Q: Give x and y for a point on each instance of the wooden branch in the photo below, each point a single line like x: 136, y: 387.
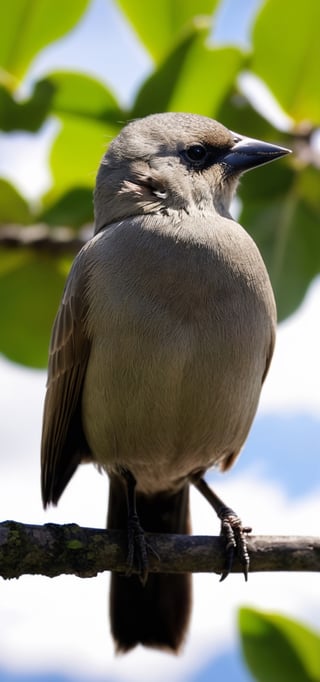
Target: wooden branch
x: 44, y: 238
x: 52, y: 550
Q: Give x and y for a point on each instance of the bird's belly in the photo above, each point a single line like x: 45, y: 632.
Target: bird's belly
x: 166, y: 405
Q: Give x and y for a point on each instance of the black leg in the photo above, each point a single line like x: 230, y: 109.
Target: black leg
x: 137, y: 546
x: 231, y: 529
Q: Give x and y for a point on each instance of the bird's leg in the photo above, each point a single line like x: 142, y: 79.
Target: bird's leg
x: 231, y: 529
x: 137, y: 545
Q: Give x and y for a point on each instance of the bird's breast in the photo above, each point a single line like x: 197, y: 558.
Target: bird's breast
x: 180, y: 337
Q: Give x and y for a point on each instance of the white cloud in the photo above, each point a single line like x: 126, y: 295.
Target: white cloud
x: 293, y: 380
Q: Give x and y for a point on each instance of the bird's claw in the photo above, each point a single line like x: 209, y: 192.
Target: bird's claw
x: 138, y: 549
x: 234, y: 534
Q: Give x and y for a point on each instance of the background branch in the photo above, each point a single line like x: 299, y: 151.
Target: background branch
x: 41, y: 237
x: 52, y: 550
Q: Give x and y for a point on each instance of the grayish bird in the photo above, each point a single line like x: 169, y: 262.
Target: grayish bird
x: 161, y: 344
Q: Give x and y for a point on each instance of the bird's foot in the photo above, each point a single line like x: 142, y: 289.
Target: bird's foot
x: 234, y: 534
x: 232, y: 529
x: 138, y: 549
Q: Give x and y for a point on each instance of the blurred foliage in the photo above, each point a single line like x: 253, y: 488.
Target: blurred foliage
x: 281, y: 204
x: 28, y: 27
x: 278, y: 649
x: 291, y: 35
x: 160, y: 25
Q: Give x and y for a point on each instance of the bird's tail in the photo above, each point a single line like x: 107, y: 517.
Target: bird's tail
x: 156, y: 614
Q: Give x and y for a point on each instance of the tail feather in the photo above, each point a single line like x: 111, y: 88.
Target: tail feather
x: 157, y: 614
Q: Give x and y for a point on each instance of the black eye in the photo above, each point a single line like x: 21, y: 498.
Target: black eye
x: 196, y: 154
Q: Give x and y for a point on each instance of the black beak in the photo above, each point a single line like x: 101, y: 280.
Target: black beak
x: 248, y: 153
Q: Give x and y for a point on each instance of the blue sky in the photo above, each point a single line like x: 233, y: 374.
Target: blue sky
x: 57, y: 630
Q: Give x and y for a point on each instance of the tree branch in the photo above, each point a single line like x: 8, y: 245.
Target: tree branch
x: 52, y: 550
x: 44, y: 238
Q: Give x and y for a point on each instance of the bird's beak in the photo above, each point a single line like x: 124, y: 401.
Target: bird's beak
x: 248, y: 153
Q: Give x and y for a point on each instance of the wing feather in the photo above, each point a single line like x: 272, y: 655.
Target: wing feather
x: 63, y: 443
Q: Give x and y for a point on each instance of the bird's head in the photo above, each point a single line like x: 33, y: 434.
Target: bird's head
x: 174, y: 162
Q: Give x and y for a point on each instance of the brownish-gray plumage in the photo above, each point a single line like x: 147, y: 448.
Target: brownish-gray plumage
x: 161, y: 343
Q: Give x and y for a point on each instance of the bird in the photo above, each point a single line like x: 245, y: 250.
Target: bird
x: 159, y: 350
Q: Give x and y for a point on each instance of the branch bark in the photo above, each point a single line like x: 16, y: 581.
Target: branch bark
x: 53, y: 550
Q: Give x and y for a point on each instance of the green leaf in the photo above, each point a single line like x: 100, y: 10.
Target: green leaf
x: 90, y: 117
x: 237, y: 114
x: 158, y: 24
x: 157, y: 91
x: 287, y: 55
x: 13, y: 208
x: 284, y: 223
x: 29, y: 25
x: 30, y: 290
x: 309, y: 180
x: 73, y: 209
x: 203, y: 66
x: 180, y: 83
x: 82, y: 96
x: 28, y: 114
x: 62, y: 92
x: 278, y: 649
x: 76, y: 154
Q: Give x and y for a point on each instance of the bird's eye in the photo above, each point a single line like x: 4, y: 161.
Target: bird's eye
x: 196, y: 154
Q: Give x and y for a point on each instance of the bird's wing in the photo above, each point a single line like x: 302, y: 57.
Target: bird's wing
x: 269, y: 353
x: 63, y: 443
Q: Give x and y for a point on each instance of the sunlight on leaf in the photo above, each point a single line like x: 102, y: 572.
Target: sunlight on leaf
x: 13, y: 207
x: 77, y: 152
x: 80, y: 95
x: 158, y: 23
x: 26, y: 27
x: 287, y: 55
x: 194, y: 77
x: 278, y: 648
